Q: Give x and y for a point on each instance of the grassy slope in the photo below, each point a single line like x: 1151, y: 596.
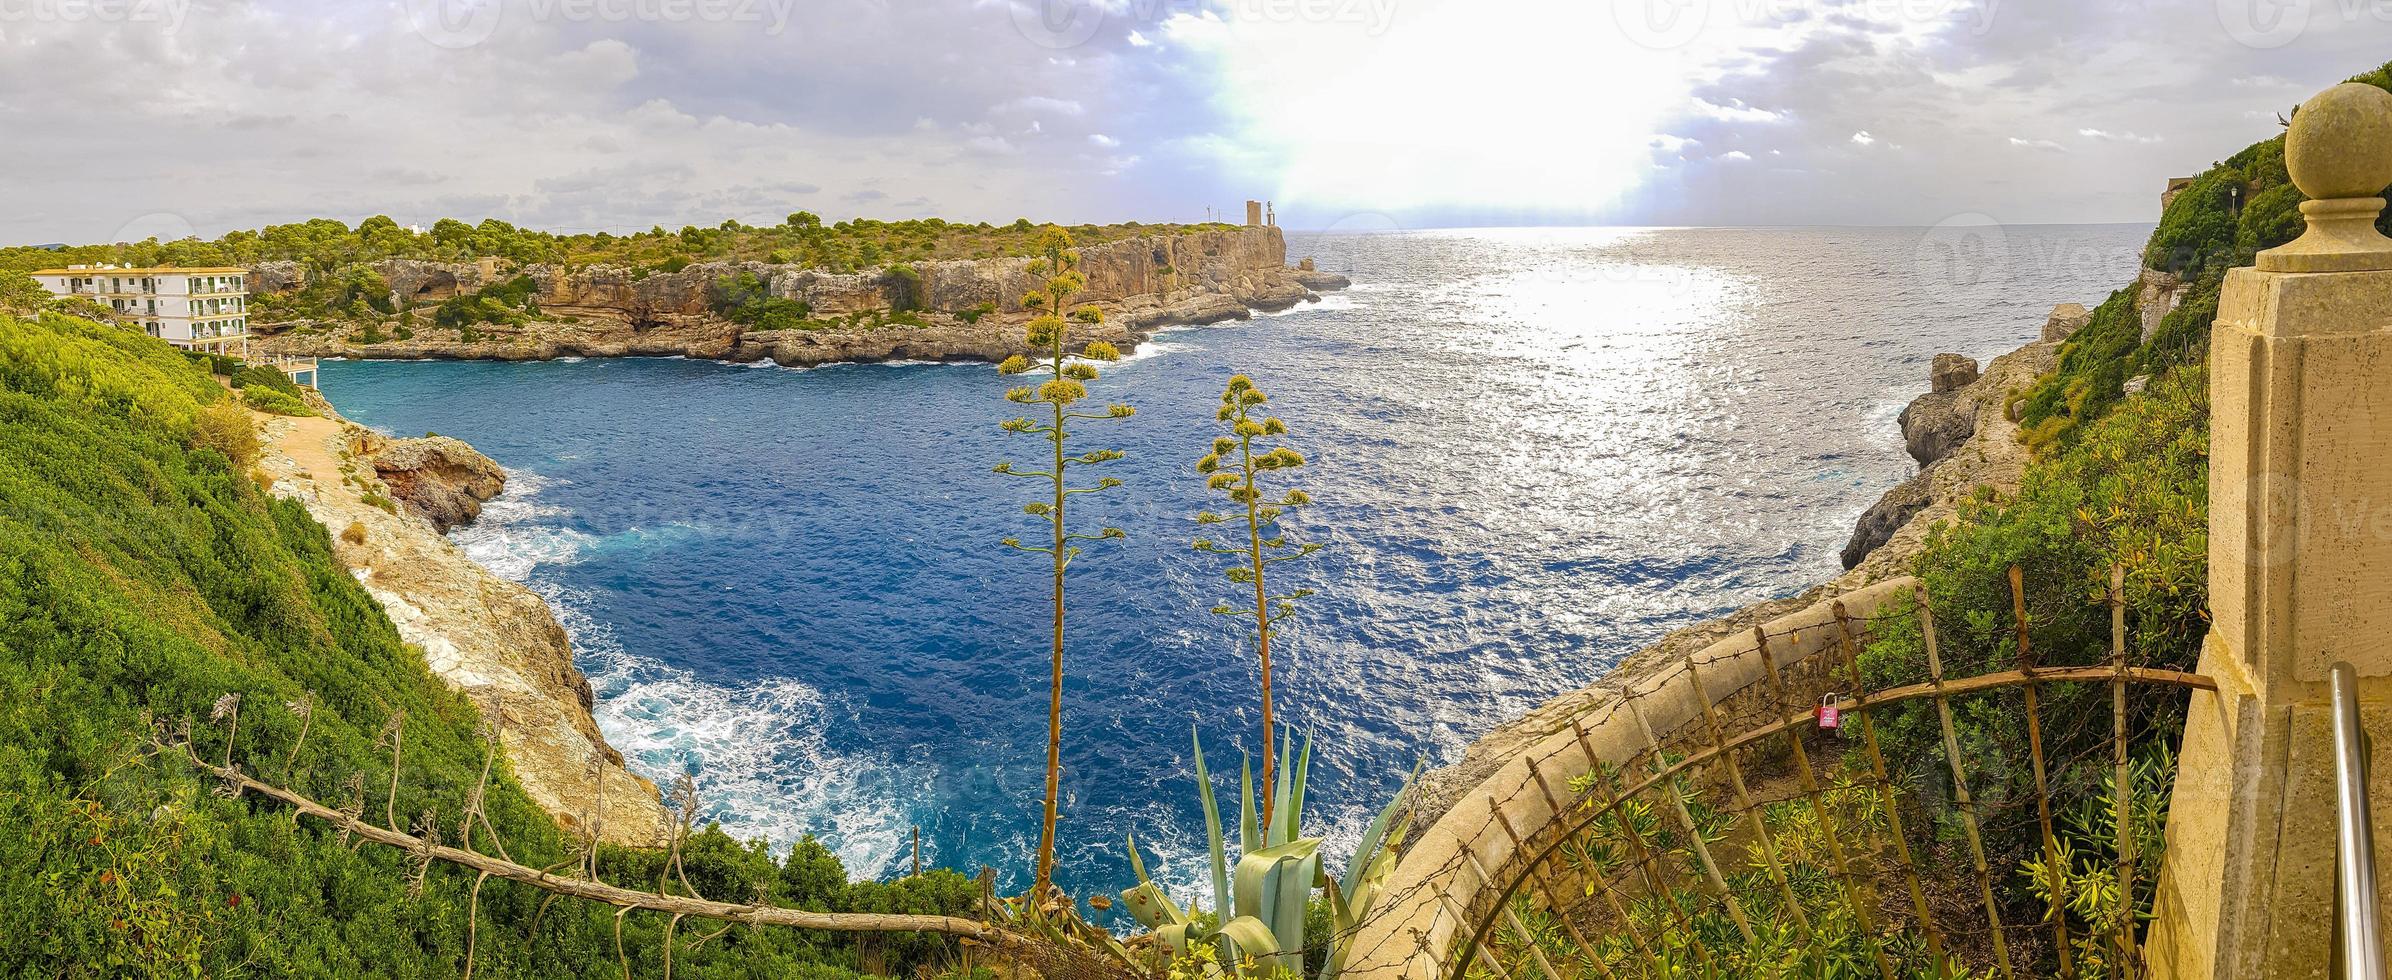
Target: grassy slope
x: 140, y: 580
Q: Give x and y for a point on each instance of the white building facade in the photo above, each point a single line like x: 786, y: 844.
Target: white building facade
x: 202, y: 309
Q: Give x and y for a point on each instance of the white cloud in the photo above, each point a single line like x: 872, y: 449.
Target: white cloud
x: 1863, y: 138
x: 1736, y: 111
x: 1140, y: 40
x: 1103, y: 140
x: 1735, y: 155
x: 2037, y: 145
x: 2119, y: 137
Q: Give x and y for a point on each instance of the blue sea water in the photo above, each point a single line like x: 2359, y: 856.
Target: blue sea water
x: 1533, y: 451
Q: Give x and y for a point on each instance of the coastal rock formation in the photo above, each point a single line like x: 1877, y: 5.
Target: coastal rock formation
x: 442, y: 480
x: 2157, y: 294
x: 490, y: 638
x: 1943, y: 418
x: 1991, y: 456
x: 967, y: 310
x: 2066, y: 320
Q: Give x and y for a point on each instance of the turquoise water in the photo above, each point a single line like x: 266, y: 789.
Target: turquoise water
x: 1534, y: 451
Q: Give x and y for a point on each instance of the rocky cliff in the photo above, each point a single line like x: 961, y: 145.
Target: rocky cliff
x: 967, y: 310
x: 491, y: 638
x: 441, y: 480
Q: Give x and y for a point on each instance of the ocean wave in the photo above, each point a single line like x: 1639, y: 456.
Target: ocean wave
x: 757, y: 752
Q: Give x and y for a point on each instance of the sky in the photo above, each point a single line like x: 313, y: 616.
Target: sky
x: 124, y: 119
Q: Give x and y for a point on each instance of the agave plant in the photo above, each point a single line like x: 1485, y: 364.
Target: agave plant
x: 1261, y: 898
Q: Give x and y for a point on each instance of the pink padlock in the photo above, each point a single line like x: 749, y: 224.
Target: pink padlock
x: 1829, y: 715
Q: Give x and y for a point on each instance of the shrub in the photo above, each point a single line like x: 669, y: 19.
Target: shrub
x: 225, y: 427
x: 274, y: 402
x: 354, y: 533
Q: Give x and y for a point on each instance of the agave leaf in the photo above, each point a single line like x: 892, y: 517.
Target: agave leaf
x: 1212, y: 829
x: 1149, y: 903
x: 1257, y: 870
x: 1292, y: 813
x: 1174, y: 939
x: 1280, y: 790
x: 1250, y: 937
x: 1249, y: 828
x: 1344, y: 921
x: 1289, y: 889
x: 1366, y: 853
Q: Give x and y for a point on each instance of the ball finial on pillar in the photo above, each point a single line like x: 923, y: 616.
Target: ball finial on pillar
x: 2339, y: 152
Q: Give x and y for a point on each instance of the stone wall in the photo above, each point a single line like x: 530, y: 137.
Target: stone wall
x: 1444, y: 876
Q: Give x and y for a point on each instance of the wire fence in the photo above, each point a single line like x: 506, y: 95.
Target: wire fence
x: 1802, y: 845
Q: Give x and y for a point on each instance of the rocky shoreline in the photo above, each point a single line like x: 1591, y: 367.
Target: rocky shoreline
x: 965, y: 310
x: 386, y: 504
x: 1961, y: 434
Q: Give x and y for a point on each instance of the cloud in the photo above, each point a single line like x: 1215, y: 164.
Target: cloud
x: 2119, y: 137
x: 1453, y: 111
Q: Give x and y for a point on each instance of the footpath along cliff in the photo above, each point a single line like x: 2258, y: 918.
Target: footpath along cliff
x: 958, y: 310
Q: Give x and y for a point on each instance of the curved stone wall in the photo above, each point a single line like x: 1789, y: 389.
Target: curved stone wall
x: 1443, y: 876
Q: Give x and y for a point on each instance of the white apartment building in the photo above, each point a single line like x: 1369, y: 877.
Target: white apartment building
x: 203, y: 309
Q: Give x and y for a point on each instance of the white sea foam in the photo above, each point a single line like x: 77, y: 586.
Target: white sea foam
x: 758, y: 751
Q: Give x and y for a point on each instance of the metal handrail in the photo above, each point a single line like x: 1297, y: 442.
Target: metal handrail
x: 2354, y: 864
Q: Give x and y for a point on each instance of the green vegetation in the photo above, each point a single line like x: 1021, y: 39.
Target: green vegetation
x: 1067, y: 387
x: 1266, y: 544
x: 2118, y: 482
x: 326, y: 246
x: 1685, y: 932
x: 2224, y: 219
x: 1263, y: 921
x: 507, y: 304
x: 746, y: 299
x: 147, y: 586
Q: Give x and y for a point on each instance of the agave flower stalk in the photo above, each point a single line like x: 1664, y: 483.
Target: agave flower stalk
x: 1236, y: 466
x: 1066, y: 387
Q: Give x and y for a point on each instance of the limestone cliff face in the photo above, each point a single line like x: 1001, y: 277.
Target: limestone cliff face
x: 1142, y: 284
x: 483, y: 635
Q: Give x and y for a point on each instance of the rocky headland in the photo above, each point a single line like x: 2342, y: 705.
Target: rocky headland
x: 386, y: 503
x: 968, y: 310
x: 1960, y: 432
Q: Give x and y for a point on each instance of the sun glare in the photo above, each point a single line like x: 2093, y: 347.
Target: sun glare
x: 1447, y: 106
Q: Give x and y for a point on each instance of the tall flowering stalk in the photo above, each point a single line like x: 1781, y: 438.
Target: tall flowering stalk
x: 1065, y: 388
x: 1236, y: 466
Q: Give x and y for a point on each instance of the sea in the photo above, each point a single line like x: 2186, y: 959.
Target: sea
x: 1532, y: 451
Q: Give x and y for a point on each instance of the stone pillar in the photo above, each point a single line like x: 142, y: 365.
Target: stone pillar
x: 1254, y: 213
x: 2300, y: 568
